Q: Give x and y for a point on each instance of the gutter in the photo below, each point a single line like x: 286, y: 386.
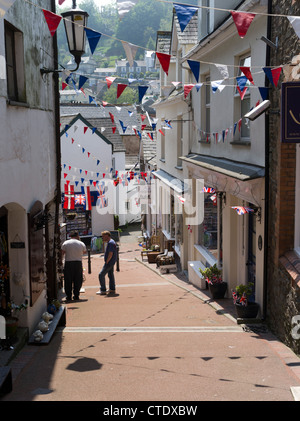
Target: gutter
x: 267, y: 172
x: 56, y: 241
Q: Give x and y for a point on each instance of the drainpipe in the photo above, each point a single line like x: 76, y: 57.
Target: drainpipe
x: 56, y: 245
x: 267, y: 172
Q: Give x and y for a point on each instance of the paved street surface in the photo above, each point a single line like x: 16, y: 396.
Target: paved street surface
x: 157, y: 339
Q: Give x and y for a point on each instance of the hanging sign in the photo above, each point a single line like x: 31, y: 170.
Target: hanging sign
x: 290, y: 112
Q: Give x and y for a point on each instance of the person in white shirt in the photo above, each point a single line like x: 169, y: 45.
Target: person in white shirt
x: 73, y: 250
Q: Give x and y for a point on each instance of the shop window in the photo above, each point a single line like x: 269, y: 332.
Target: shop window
x: 14, y: 55
x: 208, y: 230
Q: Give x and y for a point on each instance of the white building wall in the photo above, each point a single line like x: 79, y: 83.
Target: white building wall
x: 27, y: 143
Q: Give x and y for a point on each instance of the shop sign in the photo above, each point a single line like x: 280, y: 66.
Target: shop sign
x: 290, y: 112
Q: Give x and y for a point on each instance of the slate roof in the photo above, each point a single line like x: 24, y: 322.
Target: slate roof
x: 99, y: 117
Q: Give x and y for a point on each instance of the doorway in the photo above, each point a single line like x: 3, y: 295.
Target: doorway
x: 251, y: 261
x: 4, y: 262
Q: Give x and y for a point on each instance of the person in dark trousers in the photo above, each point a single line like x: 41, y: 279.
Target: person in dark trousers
x: 110, y: 258
x: 73, y: 250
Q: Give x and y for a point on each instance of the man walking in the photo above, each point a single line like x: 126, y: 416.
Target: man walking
x: 73, y: 250
x: 110, y: 258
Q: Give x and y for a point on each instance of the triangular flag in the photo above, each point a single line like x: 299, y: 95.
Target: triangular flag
x: 82, y: 80
x: 215, y: 85
x: 93, y: 38
x: 247, y: 73
x: 112, y: 117
x: 142, y: 91
x: 120, y: 89
x: 176, y: 84
x: 52, y: 20
x: 160, y: 131
x: 123, y: 127
x: 264, y: 92
x: 223, y: 69
x: 64, y: 85
x: 130, y: 50
x: 242, y: 21
x: 110, y: 80
x: 184, y: 14
x: 4, y: 6
x: 143, y: 117
x: 295, y: 21
x: 187, y: 89
x: 198, y: 86
x: 273, y: 74
x: 114, y: 129
x: 164, y: 60
x: 241, y: 81
x: 242, y: 93
x: 195, y: 68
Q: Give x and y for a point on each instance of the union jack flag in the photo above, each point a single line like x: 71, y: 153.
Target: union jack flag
x: 85, y: 190
x: 102, y: 201
x: 79, y: 199
x: 234, y: 296
x: 243, y: 300
x: 208, y: 190
x: 241, y: 210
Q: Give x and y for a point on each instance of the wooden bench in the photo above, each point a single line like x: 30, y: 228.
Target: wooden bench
x: 59, y: 319
x: 5, y: 380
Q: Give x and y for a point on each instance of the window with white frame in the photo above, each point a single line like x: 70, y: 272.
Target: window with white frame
x: 208, y: 230
x: 205, y: 118
x: 242, y: 102
x: 14, y: 55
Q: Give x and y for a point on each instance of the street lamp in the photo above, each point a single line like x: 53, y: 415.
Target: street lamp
x: 75, y: 21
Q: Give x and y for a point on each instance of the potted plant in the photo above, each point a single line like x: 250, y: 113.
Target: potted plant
x: 213, y: 276
x: 245, y: 308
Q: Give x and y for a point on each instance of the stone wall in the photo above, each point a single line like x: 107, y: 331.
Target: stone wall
x: 282, y: 283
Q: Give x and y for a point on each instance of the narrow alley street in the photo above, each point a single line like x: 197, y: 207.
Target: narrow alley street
x: 158, y: 339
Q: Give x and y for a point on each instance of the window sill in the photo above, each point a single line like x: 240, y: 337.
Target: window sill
x: 204, y: 142
x: 241, y: 143
x: 179, y: 167
x: 17, y: 103
x: 162, y: 160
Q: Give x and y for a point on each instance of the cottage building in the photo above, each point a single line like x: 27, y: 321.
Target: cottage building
x: 216, y: 147
x: 30, y: 164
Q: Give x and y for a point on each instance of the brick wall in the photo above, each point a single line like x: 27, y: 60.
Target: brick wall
x: 283, y: 291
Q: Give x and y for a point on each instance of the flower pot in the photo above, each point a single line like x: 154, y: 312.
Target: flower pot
x: 247, y: 312
x: 218, y: 290
x: 11, y: 325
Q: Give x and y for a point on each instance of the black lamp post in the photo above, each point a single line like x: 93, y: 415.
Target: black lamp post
x: 75, y: 20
